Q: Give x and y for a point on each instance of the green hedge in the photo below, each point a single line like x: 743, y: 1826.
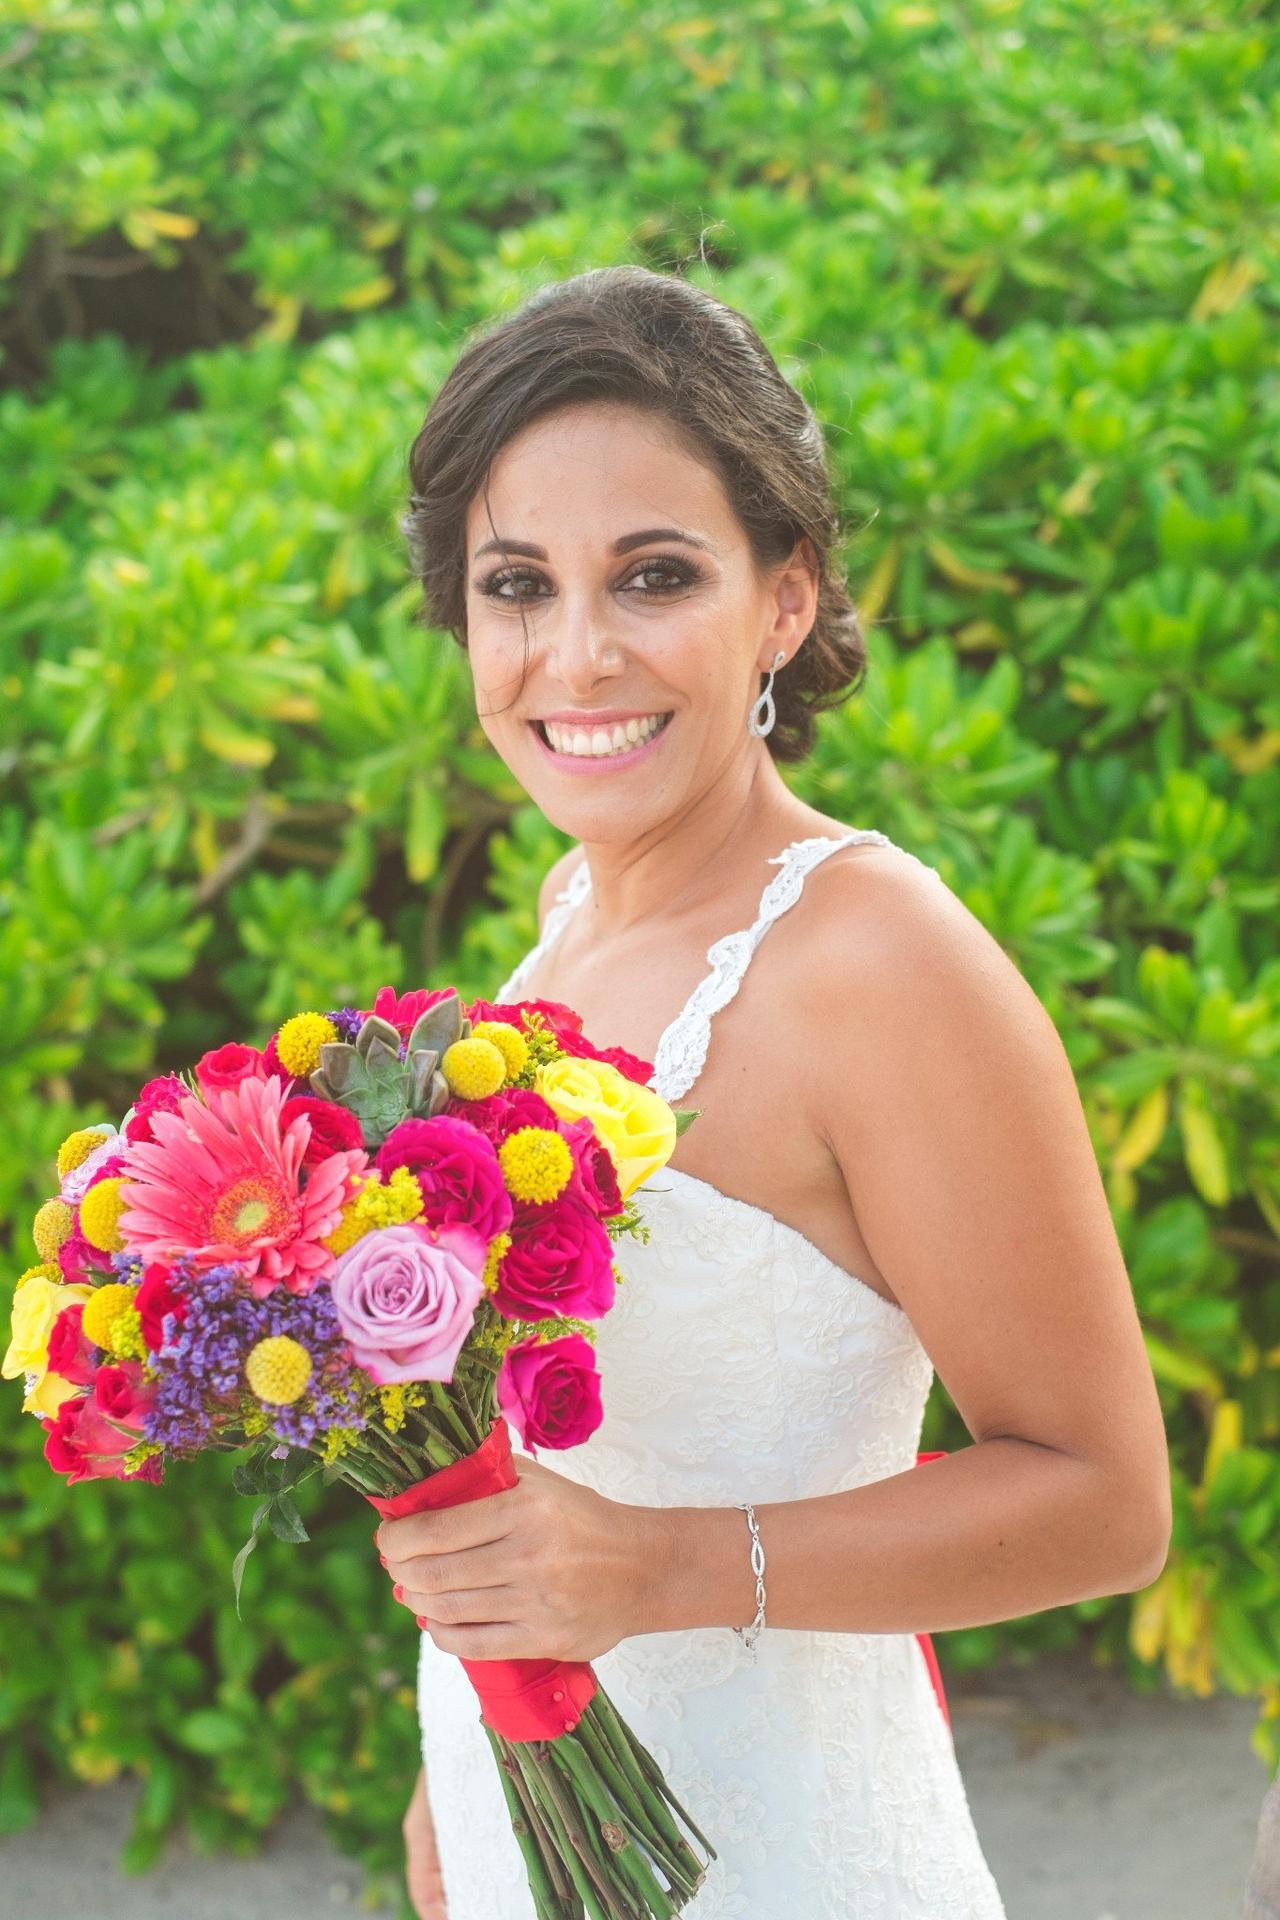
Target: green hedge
x: 1022, y: 259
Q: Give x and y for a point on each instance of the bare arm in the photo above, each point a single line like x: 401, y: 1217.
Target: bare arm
x: 947, y: 1100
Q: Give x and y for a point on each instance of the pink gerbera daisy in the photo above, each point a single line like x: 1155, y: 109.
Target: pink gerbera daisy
x: 219, y: 1182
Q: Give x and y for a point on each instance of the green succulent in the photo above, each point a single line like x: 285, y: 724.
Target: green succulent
x: 369, y: 1078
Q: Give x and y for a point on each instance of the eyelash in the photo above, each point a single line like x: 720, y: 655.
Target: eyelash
x: 686, y: 575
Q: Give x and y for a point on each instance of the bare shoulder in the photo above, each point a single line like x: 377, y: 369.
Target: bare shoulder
x: 940, y: 1085
x: 555, y: 880
x: 892, y: 941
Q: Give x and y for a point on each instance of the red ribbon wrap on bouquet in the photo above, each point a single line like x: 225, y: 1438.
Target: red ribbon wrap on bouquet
x: 521, y: 1699
x: 926, y: 1644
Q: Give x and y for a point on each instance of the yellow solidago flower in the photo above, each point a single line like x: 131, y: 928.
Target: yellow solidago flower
x: 536, y: 1163
x: 299, y: 1041
x: 473, y: 1069
x: 337, y: 1441
x: 493, y: 1260
x: 278, y: 1370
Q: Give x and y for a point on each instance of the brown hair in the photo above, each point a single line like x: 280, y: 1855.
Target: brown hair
x: 629, y: 335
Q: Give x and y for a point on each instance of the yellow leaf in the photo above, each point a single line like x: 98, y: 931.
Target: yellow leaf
x: 949, y: 562
x: 1147, y: 1619
x: 176, y: 226
x: 1226, y: 1435
x: 370, y: 294
x: 234, y: 744
x: 380, y: 233
x: 1145, y: 1130
x: 1202, y: 1144
x: 880, y: 585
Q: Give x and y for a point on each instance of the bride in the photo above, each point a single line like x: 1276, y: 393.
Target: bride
x: 623, y: 513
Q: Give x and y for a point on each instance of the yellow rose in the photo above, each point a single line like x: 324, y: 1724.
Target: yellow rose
x: 48, y: 1394
x: 635, y: 1124
x: 36, y: 1305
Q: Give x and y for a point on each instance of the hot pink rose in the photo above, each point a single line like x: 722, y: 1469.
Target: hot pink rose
x: 274, y: 1068
x: 559, y: 1263
x: 457, y: 1169
x: 406, y: 1299
x: 501, y: 1113
x: 549, y: 1391
x: 228, y: 1066
x: 162, y: 1095
x: 595, y: 1175
x: 79, y: 1261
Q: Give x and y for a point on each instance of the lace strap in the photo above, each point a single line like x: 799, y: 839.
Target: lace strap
x: 565, y: 901
x: 682, y: 1051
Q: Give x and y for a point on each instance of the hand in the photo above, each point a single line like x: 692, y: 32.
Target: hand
x: 544, y: 1570
x: 422, y: 1860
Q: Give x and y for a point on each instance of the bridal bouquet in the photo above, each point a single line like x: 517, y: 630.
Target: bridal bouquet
x: 362, y: 1251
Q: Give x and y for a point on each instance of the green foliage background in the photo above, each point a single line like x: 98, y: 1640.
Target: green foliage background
x: 1022, y: 258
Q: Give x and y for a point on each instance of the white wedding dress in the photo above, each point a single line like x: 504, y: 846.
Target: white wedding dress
x: 740, y: 1363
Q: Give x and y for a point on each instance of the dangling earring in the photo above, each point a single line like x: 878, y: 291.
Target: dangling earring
x: 766, y: 702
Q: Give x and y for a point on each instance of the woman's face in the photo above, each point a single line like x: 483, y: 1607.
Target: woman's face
x: 642, y: 604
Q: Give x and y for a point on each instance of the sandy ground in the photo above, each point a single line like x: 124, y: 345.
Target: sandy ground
x: 1091, y: 1804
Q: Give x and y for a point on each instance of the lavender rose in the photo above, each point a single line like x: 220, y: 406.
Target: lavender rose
x: 406, y: 1299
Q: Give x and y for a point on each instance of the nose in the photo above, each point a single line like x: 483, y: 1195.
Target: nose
x: 582, y: 652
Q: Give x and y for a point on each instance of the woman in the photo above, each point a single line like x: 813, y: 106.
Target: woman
x: 623, y: 511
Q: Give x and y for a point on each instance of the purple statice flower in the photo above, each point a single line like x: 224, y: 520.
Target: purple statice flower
x: 348, y: 1021
x: 200, y: 1388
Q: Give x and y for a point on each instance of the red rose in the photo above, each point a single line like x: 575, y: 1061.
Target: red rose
x: 334, y: 1129
x: 155, y: 1297
x: 71, y: 1353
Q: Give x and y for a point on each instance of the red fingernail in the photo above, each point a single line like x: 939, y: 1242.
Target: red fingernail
x: 398, y: 1591
x: 421, y: 1622
x: 383, y: 1558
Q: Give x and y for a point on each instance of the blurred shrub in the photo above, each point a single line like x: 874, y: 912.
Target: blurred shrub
x: 1021, y: 260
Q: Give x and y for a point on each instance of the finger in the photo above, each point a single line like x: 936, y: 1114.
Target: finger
x: 470, y: 1523
x: 478, y: 1605
x: 497, y: 1640
x: 490, y: 1565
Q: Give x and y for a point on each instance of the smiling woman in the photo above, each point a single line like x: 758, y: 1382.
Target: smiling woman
x: 622, y: 511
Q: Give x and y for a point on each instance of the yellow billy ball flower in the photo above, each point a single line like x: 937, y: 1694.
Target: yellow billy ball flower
x: 77, y: 1147
x: 511, y: 1044
x: 536, y: 1163
x: 51, y: 1226
x: 278, y: 1370
x: 473, y: 1069
x: 299, y: 1041
x: 106, y: 1314
x: 100, y: 1212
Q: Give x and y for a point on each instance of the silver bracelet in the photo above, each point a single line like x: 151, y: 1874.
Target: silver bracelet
x: 750, y: 1634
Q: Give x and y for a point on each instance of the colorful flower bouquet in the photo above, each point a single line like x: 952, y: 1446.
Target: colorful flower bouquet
x: 361, y: 1251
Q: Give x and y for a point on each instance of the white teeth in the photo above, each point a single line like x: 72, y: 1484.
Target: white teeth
x: 603, y: 742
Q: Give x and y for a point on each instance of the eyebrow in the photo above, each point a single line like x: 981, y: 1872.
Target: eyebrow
x: 622, y: 545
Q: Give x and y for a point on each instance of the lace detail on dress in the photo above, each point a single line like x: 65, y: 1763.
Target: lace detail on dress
x: 682, y: 1050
